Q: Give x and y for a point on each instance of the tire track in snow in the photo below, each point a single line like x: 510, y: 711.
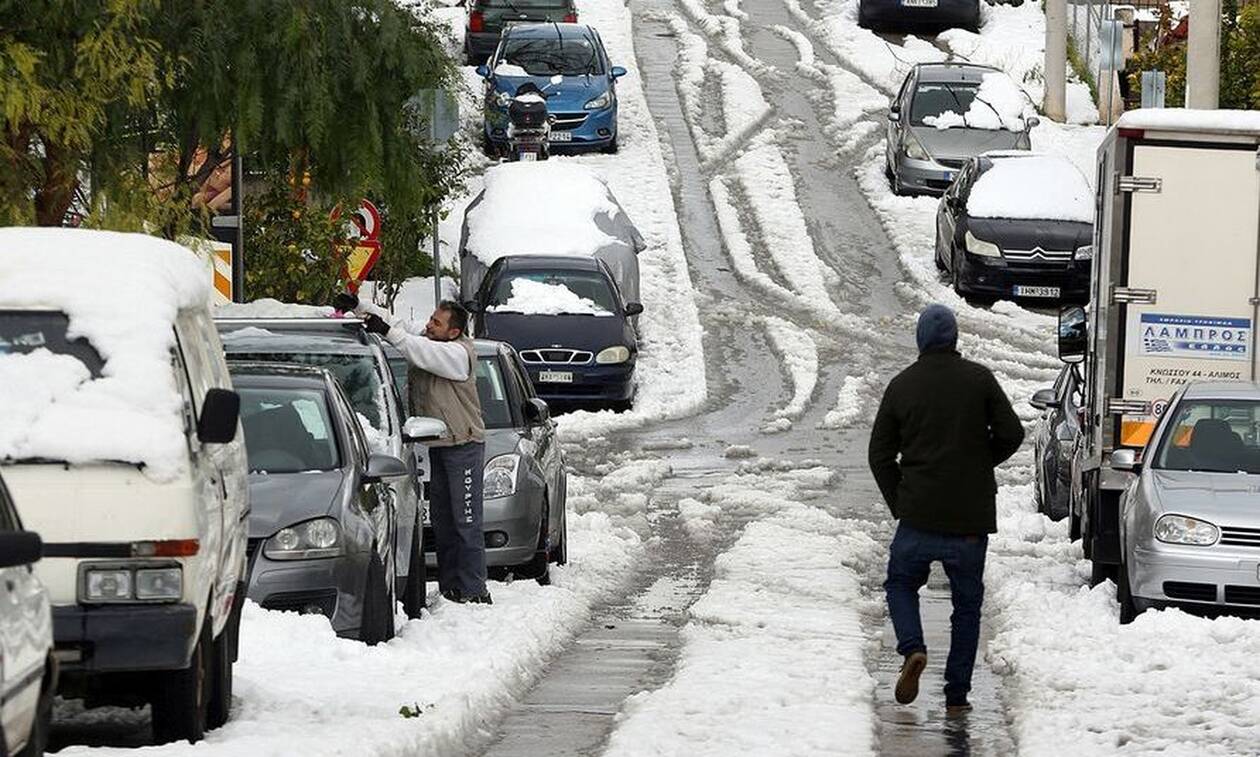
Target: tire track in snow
x: 799, y: 354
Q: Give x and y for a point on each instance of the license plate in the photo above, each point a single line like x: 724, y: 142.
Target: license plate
x: 555, y: 377
x: 529, y: 156
x: 919, y: 3
x: 948, y: 175
x: 1021, y: 291
x: 561, y: 136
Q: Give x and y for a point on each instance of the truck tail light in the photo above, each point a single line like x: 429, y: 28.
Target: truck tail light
x: 570, y: 18
x: 169, y: 548
x: 476, y: 21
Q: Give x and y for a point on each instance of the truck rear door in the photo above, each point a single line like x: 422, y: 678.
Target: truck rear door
x: 1193, y: 243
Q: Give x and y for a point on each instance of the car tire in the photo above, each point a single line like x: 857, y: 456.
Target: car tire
x: 560, y: 552
x: 376, y: 624
x: 897, y: 189
x: 955, y: 276
x: 181, y: 698
x: 539, y: 566
x: 414, y: 593
x: 612, y: 147
x: 621, y: 406
x: 864, y: 20
x: 1074, y: 523
x: 37, y: 741
x: 1124, y: 596
x: 220, y: 705
x: 1039, y: 495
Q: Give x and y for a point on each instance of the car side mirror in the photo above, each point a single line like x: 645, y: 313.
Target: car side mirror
x: 1073, y: 334
x: 1044, y: 399
x: 19, y: 548
x: 537, y: 411
x: 1126, y: 460
x: 483, y: 71
x: 422, y: 429
x: 472, y: 306
x: 617, y: 72
x: 894, y: 115
x: 380, y: 467
x: 220, y: 415
x: 1032, y: 122
x: 634, y: 308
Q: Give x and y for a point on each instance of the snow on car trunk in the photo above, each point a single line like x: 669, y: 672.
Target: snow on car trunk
x: 1035, y: 187
x: 121, y: 293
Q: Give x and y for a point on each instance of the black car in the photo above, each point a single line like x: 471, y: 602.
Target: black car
x: 903, y: 15
x: 1055, y: 442
x: 568, y: 321
x: 488, y: 18
x: 1017, y: 225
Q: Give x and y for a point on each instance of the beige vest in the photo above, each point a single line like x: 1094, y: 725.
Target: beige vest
x: 455, y: 402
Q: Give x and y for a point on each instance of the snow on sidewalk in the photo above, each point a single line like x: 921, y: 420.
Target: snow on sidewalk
x: 772, y: 660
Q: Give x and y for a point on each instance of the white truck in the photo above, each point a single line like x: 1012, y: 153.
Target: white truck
x: 1176, y: 291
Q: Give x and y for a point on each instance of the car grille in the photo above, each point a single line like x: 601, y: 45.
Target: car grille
x: 951, y: 162
x: 556, y: 357
x: 1240, y: 537
x: 1191, y: 591
x: 1037, y: 254
x: 567, y: 121
x: 1242, y: 595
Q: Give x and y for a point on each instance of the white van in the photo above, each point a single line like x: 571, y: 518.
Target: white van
x: 121, y: 446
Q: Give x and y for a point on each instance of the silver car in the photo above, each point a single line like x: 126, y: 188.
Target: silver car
x: 1189, y: 525
x: 28, y: 672
x: 923, y: 158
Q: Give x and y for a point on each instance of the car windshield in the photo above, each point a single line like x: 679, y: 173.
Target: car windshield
x: 553, y: 293
x: 496, y: 408
x: 1220, y: 436
x: 356, y: 373
x: 25, y: 332
x: 548, y: 56
x: 287, y: 430
x: 932, y: 99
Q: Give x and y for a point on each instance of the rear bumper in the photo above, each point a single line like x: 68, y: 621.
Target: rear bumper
x: 998, y: 279
x: 893, y: 14
x: 120, y: 638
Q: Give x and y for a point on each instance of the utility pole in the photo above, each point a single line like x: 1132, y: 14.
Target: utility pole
x: 1056, y: 60
x: 1203, y: 59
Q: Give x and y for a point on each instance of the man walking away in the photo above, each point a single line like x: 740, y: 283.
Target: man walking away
x: 442, y: 382
x: 951, y: 425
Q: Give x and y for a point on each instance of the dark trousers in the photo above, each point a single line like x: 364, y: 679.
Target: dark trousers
x: 455, y: 485
x: 909, y: 562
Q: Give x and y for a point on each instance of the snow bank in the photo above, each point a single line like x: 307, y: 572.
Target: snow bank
x: 537, y: 298
x: 999, y: 103
x: 122, y: 293
x: 1188, y: 119
x: 1043, y: 187
x: 799, y: 354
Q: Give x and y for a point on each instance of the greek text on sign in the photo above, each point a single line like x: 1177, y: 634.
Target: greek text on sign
x: 1196, y: 336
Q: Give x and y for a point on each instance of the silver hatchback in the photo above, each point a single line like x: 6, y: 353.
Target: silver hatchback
x: 1189, y: 521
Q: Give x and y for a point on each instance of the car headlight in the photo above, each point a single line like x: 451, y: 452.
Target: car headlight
x: 305, y: 541
x: 131, y: 583
x: 978, y: 246
x: 107, y: 585
x: 499, y: 479
x: 913, y: 148
x: 1179, y: 529
x: 603, y: 101
x: 1084, y: 253
x: 613, y: 355
x: 159, y: 584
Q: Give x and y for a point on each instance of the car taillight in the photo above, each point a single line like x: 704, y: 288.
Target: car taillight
x: 570, y: 18
x: 476, y: 21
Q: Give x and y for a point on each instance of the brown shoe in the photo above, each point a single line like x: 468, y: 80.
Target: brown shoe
x: 957, y: 710
x: 908, y: 682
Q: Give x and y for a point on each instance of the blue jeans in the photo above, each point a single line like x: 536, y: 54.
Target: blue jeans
x: 909, y: 562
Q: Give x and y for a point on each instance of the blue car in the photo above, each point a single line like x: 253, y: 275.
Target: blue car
x: 569, y: 64
x: 570, y: 323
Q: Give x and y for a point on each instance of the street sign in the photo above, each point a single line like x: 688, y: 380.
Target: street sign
x: 1154, y: 87
x: 440, y: 111
x: 1111, y: 45
x: 365, y: 240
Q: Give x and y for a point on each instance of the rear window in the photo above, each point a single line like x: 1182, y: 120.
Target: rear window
x: 288, y: 431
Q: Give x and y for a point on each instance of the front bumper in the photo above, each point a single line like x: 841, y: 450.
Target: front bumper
x: 515, y: 517
x: 587, y: 129
x: 946, y: 13
x: 592, y: 383
x: 1205, y: 577
x: 124, y: 637
x: 924, y: 176
x: 330, y: 586
x: 997, y: 277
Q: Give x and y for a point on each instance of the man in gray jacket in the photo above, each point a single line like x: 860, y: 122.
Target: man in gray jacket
x: 443, y: 384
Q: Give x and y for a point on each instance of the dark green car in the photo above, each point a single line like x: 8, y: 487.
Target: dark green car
x: 488, y: 18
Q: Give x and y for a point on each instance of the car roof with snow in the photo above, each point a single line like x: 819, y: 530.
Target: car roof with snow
x: 947, y: 72
x: 1222, y: 390
x: 1002, y: 190
x: 344, y: 336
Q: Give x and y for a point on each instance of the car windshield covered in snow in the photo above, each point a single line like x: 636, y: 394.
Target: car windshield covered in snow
x: 356, y: 374
x: 553, y: 293
x: 287, y: 431
x: 1221, y: 436
x: 933, y: 99
x: 549, y: 56
x: 24, y: 332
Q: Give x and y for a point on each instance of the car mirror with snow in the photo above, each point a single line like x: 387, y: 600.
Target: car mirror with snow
x: 1032, y: 122
x: 19, y: 548
x: 220, y: 415
x: 894, y: 116
x: 1044, y: 399
x: 483, y: 71
x: 1126, y: 460
x: 423, y: 429
x: 634, y: 308
x: 537, y: 411
x: 380, y: 467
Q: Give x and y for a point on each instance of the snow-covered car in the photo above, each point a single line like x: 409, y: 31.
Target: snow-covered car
x: 569, y: 322
x: 548, y: 208
x: 488, y: 18
x: 1189, y: 525
x: 321, y: 508
x: 908, y: 15
x: 121, y: 447
x: 1017, y: 225
x: 946, y: 113
x: 28, y: 670
x: 1055, y: 442
x: 279, y: 334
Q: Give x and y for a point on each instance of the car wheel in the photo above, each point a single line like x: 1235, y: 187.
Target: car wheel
x: 612, y: 147
x: 414, y: 597
x: 621, y: 406
x: 539, y: 566
x: 956, y: 276
x: 936, y: 257
x: 376, y: 624
x: 864, y: 20
x: 1124, y: 595
x: 1074, y: 523
x: 1039, y: 495
x: 181, y: 699
x: 37, y: 741
x: 221, y: 673
x: 897, y: 189
x: 560, y: 552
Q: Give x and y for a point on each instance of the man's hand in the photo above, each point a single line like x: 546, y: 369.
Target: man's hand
x: 375, y: 324
x: 345, y: 302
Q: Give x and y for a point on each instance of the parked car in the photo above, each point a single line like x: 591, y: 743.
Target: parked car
x: 356, y: 359
x: 582, y: 104
x: 488, y: 18
x: 567, y: 319
x: 28, y: 669
x: 946, y: 113
x: 128, y: 461
x: 581, y: 217
x: 1189, y: 526
x: 1055, y: 442
x: 914, y: 15
x: 1017, y: 225
x: 323, y: 514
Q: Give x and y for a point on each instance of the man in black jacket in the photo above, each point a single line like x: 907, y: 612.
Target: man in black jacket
x: 950, y: 424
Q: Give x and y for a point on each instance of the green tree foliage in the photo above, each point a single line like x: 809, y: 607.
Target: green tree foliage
x: 1240, y: 60
x: 294, y: 247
